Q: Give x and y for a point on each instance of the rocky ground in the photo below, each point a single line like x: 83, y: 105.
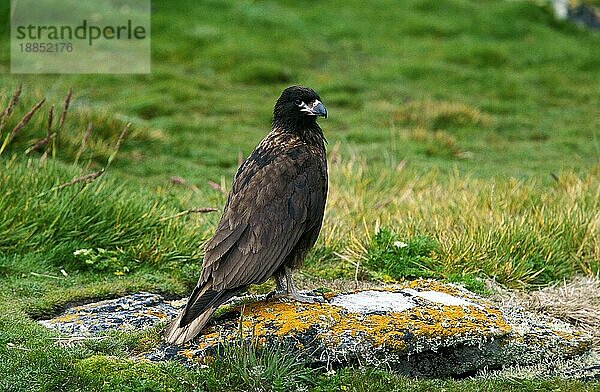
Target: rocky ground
x: 421, y: 328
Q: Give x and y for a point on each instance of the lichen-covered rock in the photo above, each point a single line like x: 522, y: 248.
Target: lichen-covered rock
x: 422, y: 328
x: 132, y: 312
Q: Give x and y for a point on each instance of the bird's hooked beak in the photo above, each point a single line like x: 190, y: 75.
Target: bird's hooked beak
x: 315, y: 108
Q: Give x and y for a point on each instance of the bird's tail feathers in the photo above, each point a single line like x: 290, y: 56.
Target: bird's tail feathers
x: 193, y: 318
x: 175, y: 334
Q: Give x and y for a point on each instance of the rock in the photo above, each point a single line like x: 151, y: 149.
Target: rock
x: 578, y: 12
x: 585, y: 15
x: 422, y: 328
x: 130, y: 313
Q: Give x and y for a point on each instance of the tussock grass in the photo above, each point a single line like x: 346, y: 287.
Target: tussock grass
x: 523, y: 233
x: 65, y: 130
x: 37, y: 215
x: 72, y: 222
x: 441, y: 115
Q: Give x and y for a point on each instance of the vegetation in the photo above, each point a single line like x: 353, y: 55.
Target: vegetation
x: 463, y: 144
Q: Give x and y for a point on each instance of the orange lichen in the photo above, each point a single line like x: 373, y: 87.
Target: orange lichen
x: 208, y: 340
x: 156, y: 313
x: 433, y: 285
x: 66, y: 318
x: 189, y: 354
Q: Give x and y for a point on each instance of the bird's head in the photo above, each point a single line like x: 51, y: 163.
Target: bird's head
x: 298, y: 107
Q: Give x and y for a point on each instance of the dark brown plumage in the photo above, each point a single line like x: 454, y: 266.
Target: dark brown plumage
x: 272, y: 217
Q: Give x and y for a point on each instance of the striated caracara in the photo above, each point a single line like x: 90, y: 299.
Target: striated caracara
x: 272, y: 217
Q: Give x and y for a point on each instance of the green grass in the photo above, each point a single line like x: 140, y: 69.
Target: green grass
x: 466, y: 130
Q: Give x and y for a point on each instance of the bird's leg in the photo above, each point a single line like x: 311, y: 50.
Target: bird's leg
x: 286, y: 289
x: 280, y: 284
x: 280, y: 287
x: 292, y: 292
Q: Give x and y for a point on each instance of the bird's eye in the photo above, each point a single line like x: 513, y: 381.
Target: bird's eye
x: 298, y: 102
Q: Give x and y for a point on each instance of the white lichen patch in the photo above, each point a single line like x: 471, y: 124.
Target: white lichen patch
x: 372, y: 301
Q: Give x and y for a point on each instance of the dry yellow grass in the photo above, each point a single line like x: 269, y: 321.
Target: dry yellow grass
x: 576, y: 301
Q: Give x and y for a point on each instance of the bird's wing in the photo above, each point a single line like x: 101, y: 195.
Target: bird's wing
x: 271, y: 205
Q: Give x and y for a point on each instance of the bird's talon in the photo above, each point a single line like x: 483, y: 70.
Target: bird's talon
x: 319, y: 298
x: 275, y: 295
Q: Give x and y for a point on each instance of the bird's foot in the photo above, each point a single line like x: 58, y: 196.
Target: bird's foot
x: 297, y: 297
x: 286, y: 290
x: 276, y: 294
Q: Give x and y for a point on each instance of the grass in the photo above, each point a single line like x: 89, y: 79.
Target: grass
x: 463, y: 144
x: 518, y: 232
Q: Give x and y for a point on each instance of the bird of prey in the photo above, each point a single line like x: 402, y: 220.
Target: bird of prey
x: 272, y: 217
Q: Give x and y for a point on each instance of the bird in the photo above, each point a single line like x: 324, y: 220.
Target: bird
x: 272, y: 217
